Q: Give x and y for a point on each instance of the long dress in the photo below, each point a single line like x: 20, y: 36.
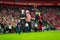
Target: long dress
x: 40, y: 23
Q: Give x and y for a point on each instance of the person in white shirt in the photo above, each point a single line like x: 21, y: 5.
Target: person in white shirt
x: 10, y: 27
x: 27, y: 27
x: 36, y: 27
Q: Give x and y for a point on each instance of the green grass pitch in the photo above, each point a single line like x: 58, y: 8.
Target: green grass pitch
x: 47, y: 35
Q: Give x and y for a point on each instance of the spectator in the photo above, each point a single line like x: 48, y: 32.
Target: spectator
x: 10, y: 27
x: 18, y: 28
x: 6, y: 28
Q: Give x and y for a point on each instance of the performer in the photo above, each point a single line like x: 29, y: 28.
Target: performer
x: 28, y: 19
x: 22, y: 17
x: 40, y: 22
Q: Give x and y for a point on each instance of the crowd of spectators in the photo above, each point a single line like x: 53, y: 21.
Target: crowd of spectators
x: 23, y: 20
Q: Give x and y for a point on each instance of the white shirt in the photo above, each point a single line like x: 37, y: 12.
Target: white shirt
x: 35, y: 25
x: 26, y: 24
x: 10, y: 27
